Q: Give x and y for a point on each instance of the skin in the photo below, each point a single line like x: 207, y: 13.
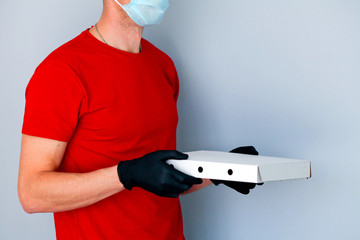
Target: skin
x: 41, y: 188
x: 117, y: 28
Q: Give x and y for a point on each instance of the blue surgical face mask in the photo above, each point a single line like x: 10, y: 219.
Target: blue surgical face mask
x: 145, y: 12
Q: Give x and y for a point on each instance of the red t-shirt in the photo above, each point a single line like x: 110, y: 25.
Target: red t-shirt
x: 109, y: 105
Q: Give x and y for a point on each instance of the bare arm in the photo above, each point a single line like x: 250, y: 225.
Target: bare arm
x: 42, y: 189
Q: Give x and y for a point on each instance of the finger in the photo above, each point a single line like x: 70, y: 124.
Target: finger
x: 244, y: 191
x: 251, y: 185
x: 215, y: 182
x: 170, y: 154
x: 169, y: 195
x: 238, y: 186
x: 245, y: 150
x: 184, y: 178
x: 173, y: 186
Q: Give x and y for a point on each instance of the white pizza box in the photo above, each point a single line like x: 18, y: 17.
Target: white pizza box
x: 241, y: 167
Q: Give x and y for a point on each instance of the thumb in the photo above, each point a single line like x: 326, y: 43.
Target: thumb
x: 172, y: 154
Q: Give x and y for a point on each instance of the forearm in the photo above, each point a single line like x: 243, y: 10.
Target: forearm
x: 51, y: 191
x: 194, y: 188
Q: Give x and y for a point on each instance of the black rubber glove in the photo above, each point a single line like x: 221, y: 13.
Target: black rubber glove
x: 151, y: 173
x: 241, y: 187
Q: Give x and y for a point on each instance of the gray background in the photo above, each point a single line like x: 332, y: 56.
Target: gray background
x: 280, y: 75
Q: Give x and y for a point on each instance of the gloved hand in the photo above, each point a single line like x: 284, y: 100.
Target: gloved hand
x: 151, y: 173
x: 241, y: 187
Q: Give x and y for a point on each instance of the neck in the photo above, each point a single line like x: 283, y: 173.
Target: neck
x: 117, y: 28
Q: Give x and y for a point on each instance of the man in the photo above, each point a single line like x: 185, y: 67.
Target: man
x: 100, y: 120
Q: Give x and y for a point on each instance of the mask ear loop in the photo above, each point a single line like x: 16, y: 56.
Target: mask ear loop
x: 122, y: 6
x: 119, y: 3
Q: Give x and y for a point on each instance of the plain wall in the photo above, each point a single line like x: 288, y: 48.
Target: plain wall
x: 283, y: 76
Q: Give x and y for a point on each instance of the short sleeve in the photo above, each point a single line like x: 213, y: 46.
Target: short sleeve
x: 173, y: 76
x: 55, y: 100
x: 177, y: 85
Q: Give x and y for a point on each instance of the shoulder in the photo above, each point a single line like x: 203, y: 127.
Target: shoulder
x: 159, y: 54
x: 66, y: 52
x: 56, y: 73
x: 59, y: 64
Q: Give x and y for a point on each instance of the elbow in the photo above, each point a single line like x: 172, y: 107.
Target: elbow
x: 27, y: 201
